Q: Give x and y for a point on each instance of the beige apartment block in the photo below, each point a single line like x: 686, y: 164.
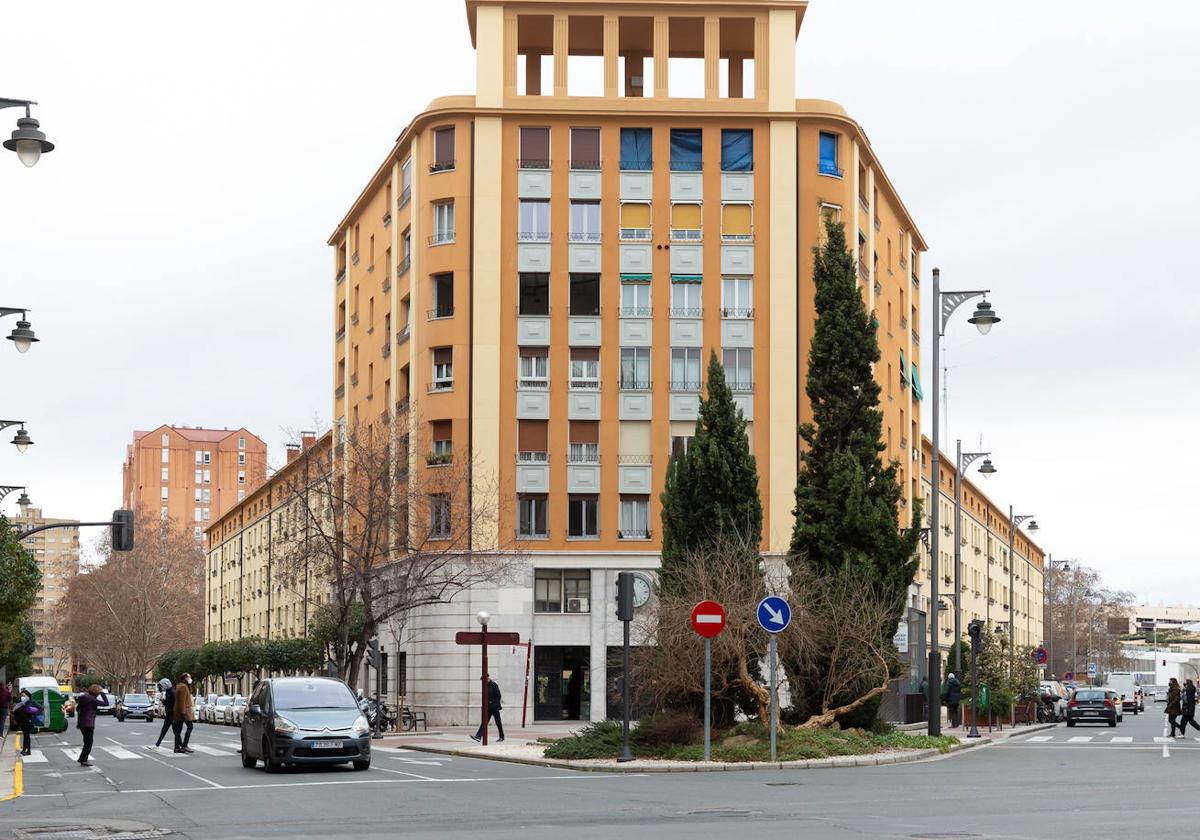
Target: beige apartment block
x: 192, y: 475
x: 57, y: 555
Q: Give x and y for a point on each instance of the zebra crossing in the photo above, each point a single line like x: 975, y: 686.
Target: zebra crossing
x: 1069, y: 738
x: 102, y: 753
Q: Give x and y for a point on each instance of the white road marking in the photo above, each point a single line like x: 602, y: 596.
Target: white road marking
x: 200, y: 748
x: 413, y: 775
x: 1121, y: 740
x: 1079, y: 739
x: 577, y: 776
x: 390, y: 750
x: 1040, y: 738
x: 121, y: 753
x: 414, y: 760
x: 73, y: 753
x: 34, y: 757
x: 208, y: 782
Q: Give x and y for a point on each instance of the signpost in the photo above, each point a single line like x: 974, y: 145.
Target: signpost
x: 774, y: 615
x: 1092, y: 670
x: 708, y: 620
x: 1040, y: 656
x: 483, y: 639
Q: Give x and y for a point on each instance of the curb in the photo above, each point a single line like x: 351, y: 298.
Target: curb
x: 10, y: 765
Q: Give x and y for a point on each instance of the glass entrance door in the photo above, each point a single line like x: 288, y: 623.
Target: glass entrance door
x: 562, y: 683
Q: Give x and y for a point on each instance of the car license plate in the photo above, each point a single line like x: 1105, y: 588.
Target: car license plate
x: 326, y: 745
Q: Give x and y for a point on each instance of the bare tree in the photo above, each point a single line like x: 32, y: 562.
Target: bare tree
x: 138, y: 604
x: 1086, y: 620
x: 388, y: 531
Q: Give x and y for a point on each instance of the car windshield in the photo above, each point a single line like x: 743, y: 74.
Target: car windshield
x: 312, y: 694
x: 239, y: 700
x: 1090, y: 695
x: 224, y: 698
x: 136, y: 698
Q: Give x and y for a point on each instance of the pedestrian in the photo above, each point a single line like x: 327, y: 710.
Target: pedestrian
x: 168, y: 702
x: 1174, y: 704
x: 85, y: 718
x: 1189, y: 708
x: 494, y: 708
x: 5, y: 705
x: 952, y: 697
x: 23, y: 714
x: 184, y: 709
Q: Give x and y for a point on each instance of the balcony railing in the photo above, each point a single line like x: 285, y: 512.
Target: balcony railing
x: 584, y: 457
x: 863, y: 271
x: 533, y: 457
x: 339, y: 392
x: 583, y: 236
x: 687, y: 312
x: 533, y: 163
x: 533, y: 236
x: 341, y: 334
x: 441, y: 385
x: 737, y: 311
x: 686, y: 235
x: 439, y: 459
x: 534, y: 384
x: 403, y: 333
x: 828, y: 167
x: 387, y: 284
x: 585, y: 384
x: 441, y: 238
x: 635, y: 311
x: 341, y: 275
x: 741, y: 386
x: 585, y: 165
x: 634, y: 460
x: 636, y: 165
x: 354, y: 258
x: 405, y: 196
x: 634, y: 384
x: 402, y: 405
x: 441, y: 165
x: 737, y: 237
x: 687, y: 166
x: 916, y: 337
x: 636, y: 534
x: 353, y: 380
x: 387, y: 218
x: 685, y: 384
x: 439, y: 312
x: 403, y: 266
x: 636, y: 234
x: 387, y: 349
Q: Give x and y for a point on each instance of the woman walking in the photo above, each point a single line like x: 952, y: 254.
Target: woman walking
x: 167, y: 692
x: 184, y: 711
x: 1174, y: 704
x: 1189, y: 708
x: 23, y: 714
x: 85, y: 711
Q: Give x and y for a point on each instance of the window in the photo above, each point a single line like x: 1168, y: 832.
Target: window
x: 405, y: 252
x: 533, y: 294
x: 439, y: 515
x: 207, y: 476
x: 585, y: 221
x: 585, y: 294
x: 166, y: 474
x: 635, y: 222
x: 737, y: 299
x: 635, y: 518
x: 199, y: 457
x: 685, y: 368
x: 241, y: 495
x: 207, y: 457
x: 583, y: 517
x: 562, y: 590
x: 547, y: 591
x: 166, y: 440
x: 585, y: 368
x: 197, y: 496
x: 635, y: 368
x: 686, y: 297
x: 686, y: 152
x: 443, y: 296
x: 535, y: 148
x: 197, y: 512
x: 166, y: 456
x: 531, y: 516
x: 241, y: 476
x: 827, y: 155
x: 635, y: 298
x: 680, y: 444
x: 533, y: 221
x: 405, y: 183
x: 443, y: 149
x: 163, y: 493
x: 584, y: 446
x: 443, y: 368
x: 534, y: 368
x: 737, y: 223
x: 737, y: 150
x: 531, y: 441
x: 443, y: 223
x: 685, y: 222
x: 830, y: 214
x: 441, y: 438
x: 197, y: 532
x: 162, y: 514
x: 241, y: 459
x: 585, y: 148
x: 241, y: 443
x: 636, y: 155
x: 739, y: 368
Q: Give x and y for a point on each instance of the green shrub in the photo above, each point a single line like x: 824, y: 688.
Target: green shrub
x: 602, y: 739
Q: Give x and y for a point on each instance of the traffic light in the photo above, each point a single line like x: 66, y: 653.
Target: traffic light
x: 625, y: 596
x: 122, y: 530
x: 373, y: 653
x: 975, y: 631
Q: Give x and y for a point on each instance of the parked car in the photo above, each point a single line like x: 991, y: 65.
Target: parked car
x: 235, y: 709
x: 1059, y: 694
x: 134, y: 706
x: 1156, y: 693
x: 304, y: 720
x: 1093, y: 705
x: 203, y: 701
x: 216, y: 709
x: 1128, y: 686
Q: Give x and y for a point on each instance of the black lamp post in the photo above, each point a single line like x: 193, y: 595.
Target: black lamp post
x: 28, y: 140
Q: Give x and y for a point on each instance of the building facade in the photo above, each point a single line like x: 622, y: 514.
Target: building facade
x: 983, y: 590
x: 541, y: 271
x: 250, y: 590
x: 192, y: 475
x: 57, y: 555
x: 1145, y: 617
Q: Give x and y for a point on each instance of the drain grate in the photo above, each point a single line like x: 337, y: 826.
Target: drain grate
x: 719, y: 812
x: 783, y: 784
x: 943, y: 835
x: 85, y: 832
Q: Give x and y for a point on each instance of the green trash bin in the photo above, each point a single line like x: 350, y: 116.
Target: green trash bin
x: 51, y: 701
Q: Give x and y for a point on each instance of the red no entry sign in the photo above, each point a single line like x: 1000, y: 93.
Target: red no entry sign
x: 708, y: 618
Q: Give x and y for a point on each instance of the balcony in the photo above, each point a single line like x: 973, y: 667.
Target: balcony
x: 341, y: 335
x: 686, y: 384
x: 403, y: 266
x: 440, y: 385
x: 402, y: 405
x: 737, y: 237
x: 916, y: 337
x: 828, y: 167
x: 636, y: 235
x: 387, y: 350
x: 583, y: 236
x: 339, y: 392
x: 533, y: 457
x: 737, y: 311
x: 634, y: 535
x: 686, y: 235
x: 387, y: 284
x: 864, y: 273
x: 440, y: 312
x: 585, y: 165
x: 635, y: 460
x: 634, y: 384
x: 441, y: 166
x: 687, y: 311
x: 444, y: 237
x: 532, y: 163
x: 862, y: 202
x: 354, y: 258
x: 439, y: 459
x: 403, y: 333
x: 533, y: 236
x: 635, y: 311
x: 353, y: 380
x: 341, y: 275
x: 405, y: 197
x: 387, y: 218
x: 740, y: 386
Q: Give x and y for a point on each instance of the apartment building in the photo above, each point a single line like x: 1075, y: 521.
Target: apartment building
x: 540, y: 272
x: 250, y: 587
x: 57, y: 555
x: 983, y: 589
x: 192, y: 475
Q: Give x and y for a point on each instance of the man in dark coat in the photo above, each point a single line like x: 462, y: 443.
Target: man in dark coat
x: 493, y: 713
x: 5, y: 705
x: 167, y: 692
x: 1174, y: 704
x: 85, y: 710
x: 953, y: 697
x: 1189, y: 707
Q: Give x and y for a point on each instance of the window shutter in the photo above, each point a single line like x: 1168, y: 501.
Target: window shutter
x: 585, y: 148
x: 443, y: 355
x: 585, y: 431
x: 585, y: 354
x: 443, y: 140
x: 535, y: 146
x: 685, y: 216
x: 635, y: 215
x: 736, y: 219
x: 532, y: 435
x: 529, y: 352
x: 441, y: 429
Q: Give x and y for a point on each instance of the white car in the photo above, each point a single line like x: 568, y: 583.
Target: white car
x: 235, y: 710
x: 1156, y: 693
x: 216, y: 709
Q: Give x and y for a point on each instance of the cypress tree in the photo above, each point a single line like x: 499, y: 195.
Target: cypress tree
x: 712, y: 488
x: 846, y: 498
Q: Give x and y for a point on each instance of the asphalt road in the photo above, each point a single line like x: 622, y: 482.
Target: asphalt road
x: 1051, y: 784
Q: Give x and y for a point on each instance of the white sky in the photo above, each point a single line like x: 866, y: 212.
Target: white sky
x: 172, y: 248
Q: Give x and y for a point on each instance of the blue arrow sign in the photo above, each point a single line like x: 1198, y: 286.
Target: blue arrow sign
x: 774, y: 614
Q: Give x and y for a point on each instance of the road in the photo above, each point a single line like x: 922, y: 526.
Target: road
x: 1116, y: 783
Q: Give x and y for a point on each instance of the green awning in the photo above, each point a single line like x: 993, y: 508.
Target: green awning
x: 635, y: 278
x: 916, y: 380
x: 687, y: 278
x: 903, y: 371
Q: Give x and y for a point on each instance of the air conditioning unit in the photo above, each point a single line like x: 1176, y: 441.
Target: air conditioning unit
x: 578, y: 605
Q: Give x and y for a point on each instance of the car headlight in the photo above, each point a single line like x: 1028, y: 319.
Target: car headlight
x: 282, y: 724
x: 361, y: 727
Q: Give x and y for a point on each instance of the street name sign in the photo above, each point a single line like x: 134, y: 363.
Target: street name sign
x: 708, y: 619
x: 774, y: 614
x: 1092, y: 669
x: 464, y: 637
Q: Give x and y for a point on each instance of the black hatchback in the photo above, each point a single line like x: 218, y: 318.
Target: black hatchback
x: 304, y: 720
x: 1092, y: 705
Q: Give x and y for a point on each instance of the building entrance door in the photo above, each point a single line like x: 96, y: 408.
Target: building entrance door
x: 562, y: 683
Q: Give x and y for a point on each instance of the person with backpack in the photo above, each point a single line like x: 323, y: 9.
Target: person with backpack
x: 167, y: 691
x: 494, y: 708
x: 952, y: 697
x: 86, y: 705
x: 24, y: 714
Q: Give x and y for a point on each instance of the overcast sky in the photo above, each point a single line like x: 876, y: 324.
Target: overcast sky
x: 172, y: 249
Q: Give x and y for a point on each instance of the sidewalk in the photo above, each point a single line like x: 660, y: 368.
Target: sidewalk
x: 521, y: 746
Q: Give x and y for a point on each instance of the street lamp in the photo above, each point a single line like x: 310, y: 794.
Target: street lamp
x: 5, y: 489
x: 944, y: 304
x: 1014, y: 522
x: 1065, y: 565
x: 963, y: 460
x: 28, y: 140
x: 483, y: 617
x: 21, y: 440
x: 22, y: 336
